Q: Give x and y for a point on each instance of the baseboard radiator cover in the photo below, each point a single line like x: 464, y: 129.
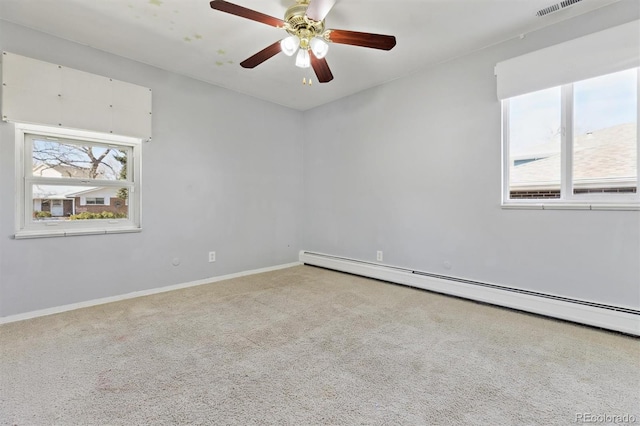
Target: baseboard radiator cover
x: 616, y: 318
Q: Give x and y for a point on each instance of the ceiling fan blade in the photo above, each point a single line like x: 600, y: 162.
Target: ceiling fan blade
x: 261, y: 56
x: 318, y: 9
x: 243, y: 12
x: 321, y: 69
x: 355, y: 38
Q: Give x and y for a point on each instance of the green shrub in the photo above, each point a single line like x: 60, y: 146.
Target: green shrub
x: 41, y: 215
x: 103, y: 215
x: 82, y: 216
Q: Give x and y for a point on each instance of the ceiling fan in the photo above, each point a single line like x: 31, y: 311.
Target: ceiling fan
x: 304, y: 21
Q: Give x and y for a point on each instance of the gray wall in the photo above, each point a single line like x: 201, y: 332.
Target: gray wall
x: 413, y: 168
x: 219, y: 175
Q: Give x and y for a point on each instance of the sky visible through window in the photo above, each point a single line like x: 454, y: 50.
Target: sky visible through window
x: 605, y: 101
x: 56, y: 159
x: 599, y: 103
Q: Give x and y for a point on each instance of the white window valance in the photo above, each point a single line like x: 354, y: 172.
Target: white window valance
x: 614, y: 49
x: 38, y: 92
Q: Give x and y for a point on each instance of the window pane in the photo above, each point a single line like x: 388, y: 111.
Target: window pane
x: 605, y: 144
x: 58, y: 202
x: 58, y: 159
x: 95, y: 200
x: 534, y: 145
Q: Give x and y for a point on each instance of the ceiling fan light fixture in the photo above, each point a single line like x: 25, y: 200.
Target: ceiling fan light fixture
x: 304, y: 23
x: 303, y: 60
x: 289, y: 45
x: 319, y: 47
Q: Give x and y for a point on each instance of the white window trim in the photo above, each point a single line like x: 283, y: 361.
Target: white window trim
x: 25, y: 228
x: 568, y: 200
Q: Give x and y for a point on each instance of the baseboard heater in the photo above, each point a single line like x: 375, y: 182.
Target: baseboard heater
x: 618, y: 318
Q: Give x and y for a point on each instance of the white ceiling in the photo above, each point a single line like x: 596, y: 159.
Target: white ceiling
x: 190, y: 38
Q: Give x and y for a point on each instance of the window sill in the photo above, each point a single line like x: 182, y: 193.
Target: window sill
x: 23, y: 235
x: 571, y: 206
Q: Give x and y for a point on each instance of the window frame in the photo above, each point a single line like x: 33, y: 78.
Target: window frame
x: 27, y: 228
x: 568, y: 200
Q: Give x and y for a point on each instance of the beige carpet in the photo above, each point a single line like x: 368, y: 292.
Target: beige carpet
x: 306, y: 346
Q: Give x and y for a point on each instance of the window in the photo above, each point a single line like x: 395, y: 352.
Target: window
x: 574, y: 145
x: 95, y: 201
x: 74, y: 182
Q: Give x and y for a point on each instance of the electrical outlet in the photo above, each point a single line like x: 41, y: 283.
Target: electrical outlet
x: 379, y: 256
x: 212, y: 256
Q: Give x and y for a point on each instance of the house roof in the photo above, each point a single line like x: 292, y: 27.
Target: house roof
x: 53, y: 192
x: 89, y: 190
x: 605, y: 155
x: 50, y: 192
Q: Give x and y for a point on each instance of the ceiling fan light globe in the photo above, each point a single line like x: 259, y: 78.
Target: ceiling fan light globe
x: 319, y: 47
x: 303, y: 60
x: 289, y: 45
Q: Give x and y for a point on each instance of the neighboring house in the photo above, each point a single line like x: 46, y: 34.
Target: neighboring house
x: 59, y: 171
x: 54, y: 202
x: 98, y: 200
x: 604, y: 161
x: 64, y: 201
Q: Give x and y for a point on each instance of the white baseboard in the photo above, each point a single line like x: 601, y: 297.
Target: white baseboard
x: 94, y: 302
x: 610, y: 319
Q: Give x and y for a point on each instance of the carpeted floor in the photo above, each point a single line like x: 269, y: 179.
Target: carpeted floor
x: 305, y: 346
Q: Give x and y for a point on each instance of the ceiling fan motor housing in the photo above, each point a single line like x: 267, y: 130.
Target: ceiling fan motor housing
x: 298, y: 24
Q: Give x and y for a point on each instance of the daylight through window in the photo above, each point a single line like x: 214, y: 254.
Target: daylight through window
x: 576, y: 143
x: 78, y: 185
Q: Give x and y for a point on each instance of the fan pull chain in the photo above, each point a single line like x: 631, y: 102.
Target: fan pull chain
x: 304, y: 81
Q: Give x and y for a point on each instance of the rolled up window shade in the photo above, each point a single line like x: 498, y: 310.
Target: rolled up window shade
x: 614, y: 49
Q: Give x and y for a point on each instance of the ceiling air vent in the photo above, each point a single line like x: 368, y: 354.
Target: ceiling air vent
x: 556, y: 7
x: 567, y: 3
